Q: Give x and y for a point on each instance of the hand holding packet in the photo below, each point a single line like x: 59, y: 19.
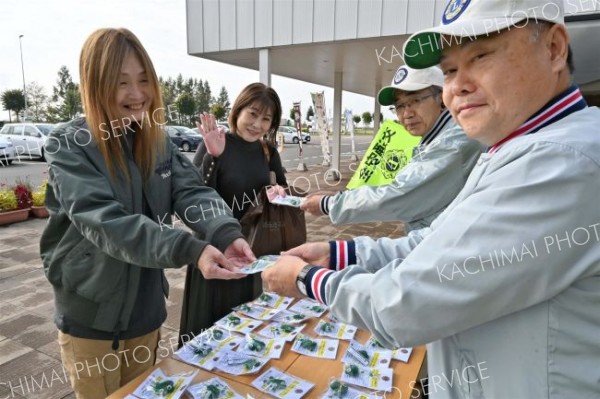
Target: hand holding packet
x: 260, y: 264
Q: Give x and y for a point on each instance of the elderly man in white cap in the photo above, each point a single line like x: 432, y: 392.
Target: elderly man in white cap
x: 438, y: 170
x: 504, y: 287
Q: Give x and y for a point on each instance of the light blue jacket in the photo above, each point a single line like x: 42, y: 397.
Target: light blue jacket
x: 420, y: 191
x: 504, y: 287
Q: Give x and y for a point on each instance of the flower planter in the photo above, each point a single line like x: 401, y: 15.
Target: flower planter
x: 18, y: 215
x: 40, y: 212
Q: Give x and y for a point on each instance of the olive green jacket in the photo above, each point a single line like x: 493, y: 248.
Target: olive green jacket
x: 97, y: 237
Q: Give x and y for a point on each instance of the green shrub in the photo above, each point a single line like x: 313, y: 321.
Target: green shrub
x: 8, y: 200
x: 39, y: 195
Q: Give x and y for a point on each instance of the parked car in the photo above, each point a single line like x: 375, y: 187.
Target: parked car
x: 7, y: 152
x: 183, y: 137
x: 28, y: 139
x: 225, y: 126
x: 290, y: 135
x: 220, y: 124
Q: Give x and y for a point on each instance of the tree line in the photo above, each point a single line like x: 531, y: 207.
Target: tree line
x: 188, y: 97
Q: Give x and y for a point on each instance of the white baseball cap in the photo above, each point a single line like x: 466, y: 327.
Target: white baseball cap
x: 408, y: 79
x: 472, y: 18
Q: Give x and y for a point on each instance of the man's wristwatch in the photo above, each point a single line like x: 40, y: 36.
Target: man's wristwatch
x: 301, y: 279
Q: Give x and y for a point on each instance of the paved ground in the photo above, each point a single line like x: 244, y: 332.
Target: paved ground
x: 29, y: 354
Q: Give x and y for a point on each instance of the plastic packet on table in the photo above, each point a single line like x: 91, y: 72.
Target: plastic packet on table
x: 214, y: 388
x: 239, y: 363
x: 262, y: 347
x: 282, y: 385
x: 368, y: 377
x: 287, y: 316
x: 367, y: 356
x: 256, y: 311
x: 309, y: 307
x: 335, y: 330
x: 213, y: 335
x: 273, y: 300
x: 401, y: 354
x: 219, y: 337
x: 340, y: 390
x: 158, y: 385
x: 198, y: 353
x: 281, y: 330
x: 237, y: 323
x: 316, y: 347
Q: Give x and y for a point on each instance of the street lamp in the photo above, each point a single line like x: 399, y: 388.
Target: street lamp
x: 23, y: 71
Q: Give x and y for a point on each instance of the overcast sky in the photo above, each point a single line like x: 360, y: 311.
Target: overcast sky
x: 54, y: 31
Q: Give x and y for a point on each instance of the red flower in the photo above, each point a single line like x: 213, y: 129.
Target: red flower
x: 23, y: 193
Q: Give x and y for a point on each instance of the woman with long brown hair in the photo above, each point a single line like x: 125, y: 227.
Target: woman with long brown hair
x: 114, y: 182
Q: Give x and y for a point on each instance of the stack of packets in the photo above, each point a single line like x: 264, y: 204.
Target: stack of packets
x: 288, y: 200
x: 237, y: 346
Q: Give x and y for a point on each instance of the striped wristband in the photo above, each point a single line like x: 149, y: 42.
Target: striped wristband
x: 316, y: 279
x: 325, y: 204
x: 341, y: 254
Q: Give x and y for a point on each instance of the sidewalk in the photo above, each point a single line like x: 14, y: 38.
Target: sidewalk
x: 30, y: 364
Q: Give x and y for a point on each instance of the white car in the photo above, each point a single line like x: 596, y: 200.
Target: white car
x: 290, y: 135
x: 7, y: 152
x: 225, y: 126
x: 27, y: 138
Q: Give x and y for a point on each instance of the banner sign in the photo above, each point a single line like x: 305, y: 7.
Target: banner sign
x: 389, y: 152
x: 318, y: 99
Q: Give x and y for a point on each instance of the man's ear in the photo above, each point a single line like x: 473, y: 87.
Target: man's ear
x: 557, y: 42
x: 440, y: 97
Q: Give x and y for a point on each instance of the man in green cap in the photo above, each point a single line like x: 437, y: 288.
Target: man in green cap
x: 504, y: 287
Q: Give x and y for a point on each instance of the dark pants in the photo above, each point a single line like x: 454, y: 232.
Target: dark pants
x: 206, y: 301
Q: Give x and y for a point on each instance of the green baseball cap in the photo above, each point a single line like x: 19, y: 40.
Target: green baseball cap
x: 468, y: 19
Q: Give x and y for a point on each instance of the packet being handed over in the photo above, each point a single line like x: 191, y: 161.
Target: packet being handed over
x: 259, y: 264
x: 288, y: 200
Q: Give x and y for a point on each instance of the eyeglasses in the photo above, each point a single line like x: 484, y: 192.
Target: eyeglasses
x: 412, y: 103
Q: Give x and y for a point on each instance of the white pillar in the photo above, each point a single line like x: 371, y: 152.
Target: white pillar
x: 337, y: 123
x: 264, y: 66
x: 376, y: 110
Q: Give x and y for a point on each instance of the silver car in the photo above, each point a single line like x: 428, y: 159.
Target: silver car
x: 7, y: 152
x: 290, y: 135
x: 28, y: 139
